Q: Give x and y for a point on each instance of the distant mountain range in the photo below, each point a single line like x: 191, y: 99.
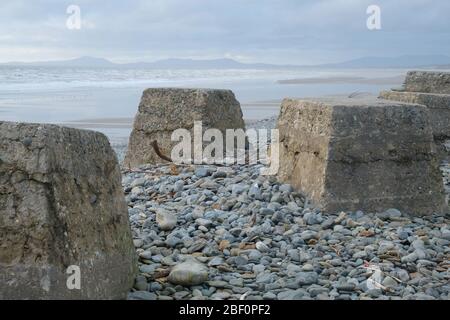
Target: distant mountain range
x: 409, y: 61
x: 78, y: 62
x: 93, y: 62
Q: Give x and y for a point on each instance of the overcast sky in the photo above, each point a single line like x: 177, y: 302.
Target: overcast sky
x: 272, y: 31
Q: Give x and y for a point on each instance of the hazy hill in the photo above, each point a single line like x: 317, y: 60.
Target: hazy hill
x: 409, y: 61
x: 93, y: 62
x: 78, y: 62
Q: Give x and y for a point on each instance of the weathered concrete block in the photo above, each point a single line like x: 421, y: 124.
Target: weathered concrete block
x: 61, y: 205
x: 428, y: 82
x: 361, y: 154
x: 164, y: 110
x: 439, y: 106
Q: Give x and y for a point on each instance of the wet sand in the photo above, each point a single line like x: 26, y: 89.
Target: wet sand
x: 397, y: 80
x: 100, y: 123
x: 266, y: 108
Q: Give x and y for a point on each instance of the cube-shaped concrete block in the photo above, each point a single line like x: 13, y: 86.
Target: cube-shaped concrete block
x: 428, y: 82
x: 163, y: 110
x: 64, y: 229
x: 438, y: 104
x: 360, y: 154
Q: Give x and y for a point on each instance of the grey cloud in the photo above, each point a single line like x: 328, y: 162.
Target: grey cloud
x: 262, y: 30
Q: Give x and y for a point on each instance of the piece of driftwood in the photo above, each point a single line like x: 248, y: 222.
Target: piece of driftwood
x: 158, y: 152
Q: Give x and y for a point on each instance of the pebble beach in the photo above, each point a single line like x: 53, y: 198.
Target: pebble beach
x: 209, y: 232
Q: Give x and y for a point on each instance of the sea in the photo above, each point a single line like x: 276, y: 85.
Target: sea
x: 106, y: 99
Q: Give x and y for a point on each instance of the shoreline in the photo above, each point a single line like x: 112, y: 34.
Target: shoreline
x: 396, y: 80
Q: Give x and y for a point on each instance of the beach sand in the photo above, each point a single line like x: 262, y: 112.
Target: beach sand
x: 264, y: 109
x: 396, y: 80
